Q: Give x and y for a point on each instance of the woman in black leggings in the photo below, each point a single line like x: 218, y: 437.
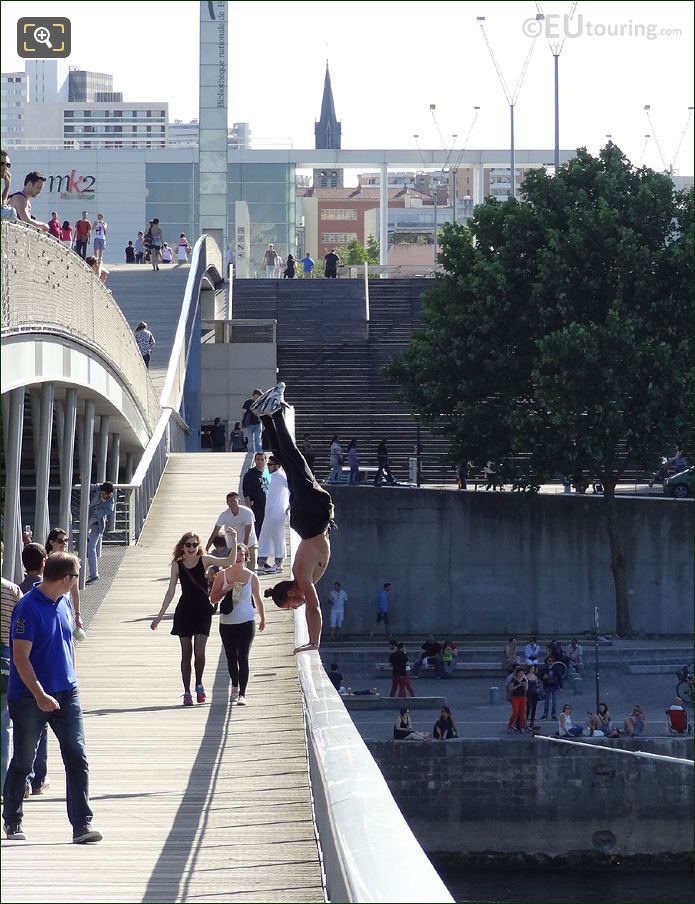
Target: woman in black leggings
x: 311, y: 516
x: 240, y: 593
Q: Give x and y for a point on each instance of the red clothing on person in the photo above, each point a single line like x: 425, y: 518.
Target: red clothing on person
x: 54, y: 227
x: 82, y: 229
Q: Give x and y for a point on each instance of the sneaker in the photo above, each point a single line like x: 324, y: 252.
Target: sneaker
x: 276, y: 569
x: 92, y: 580
x: 200, y: 693
x: 240, y: 701
x: 27, y: 790
x: 271, y: 401
x: 86, y: 835
x: 44, y: 786
x: 234, y: 696
x: 14, y: 832
x: 187, y: 699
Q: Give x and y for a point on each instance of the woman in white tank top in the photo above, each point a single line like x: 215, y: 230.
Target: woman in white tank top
x: 239, y: 593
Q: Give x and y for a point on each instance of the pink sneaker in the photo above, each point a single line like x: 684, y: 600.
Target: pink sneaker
x: 187, y: 699
x: 200, y: 693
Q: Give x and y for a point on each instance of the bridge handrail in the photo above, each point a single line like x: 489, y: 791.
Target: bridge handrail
x: 169, y: 434
x: 47, y: 288
x: 369, y: 851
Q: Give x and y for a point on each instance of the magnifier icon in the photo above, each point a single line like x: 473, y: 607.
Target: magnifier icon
x: 43, y: 36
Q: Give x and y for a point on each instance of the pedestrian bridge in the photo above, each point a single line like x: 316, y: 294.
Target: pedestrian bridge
x: 280, y: 801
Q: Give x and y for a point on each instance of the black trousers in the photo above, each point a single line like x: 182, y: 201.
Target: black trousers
x: 311, y: 507
x: 237, y: 640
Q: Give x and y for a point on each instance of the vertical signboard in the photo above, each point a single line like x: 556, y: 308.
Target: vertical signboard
x: 213, y: 120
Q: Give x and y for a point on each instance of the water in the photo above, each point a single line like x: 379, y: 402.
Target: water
x: 569, y: 887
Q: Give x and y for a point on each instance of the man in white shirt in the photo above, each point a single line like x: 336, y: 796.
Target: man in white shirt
x: 336, y: 600
x: 271, y: 542
x: 532, y: 652
x: 241, y: 518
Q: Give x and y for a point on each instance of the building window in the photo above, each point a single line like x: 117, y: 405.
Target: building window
x: 338, y: 213
x: 338, y: 238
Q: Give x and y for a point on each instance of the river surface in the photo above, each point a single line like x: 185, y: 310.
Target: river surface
x: 541, y: 886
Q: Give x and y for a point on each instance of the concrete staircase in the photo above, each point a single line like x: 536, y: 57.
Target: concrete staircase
x: 331, y: 360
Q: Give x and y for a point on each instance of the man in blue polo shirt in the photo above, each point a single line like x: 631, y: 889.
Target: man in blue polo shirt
x: 43, y: 690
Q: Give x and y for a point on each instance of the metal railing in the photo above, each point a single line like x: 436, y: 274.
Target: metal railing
x: 394, y: 271
x: 53, y: 292
x: 171, y: 431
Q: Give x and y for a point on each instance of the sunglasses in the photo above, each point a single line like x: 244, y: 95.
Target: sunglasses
x: 191, y: 545
x: 71, y: 576
x: 7, y: 164
x: 60, y: 540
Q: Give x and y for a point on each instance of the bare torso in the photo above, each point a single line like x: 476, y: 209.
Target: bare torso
x: 311, y: 560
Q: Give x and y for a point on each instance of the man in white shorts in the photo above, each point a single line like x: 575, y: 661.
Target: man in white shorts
x: 241, y: 518
x: 271, y: 541
x: 336, y: 600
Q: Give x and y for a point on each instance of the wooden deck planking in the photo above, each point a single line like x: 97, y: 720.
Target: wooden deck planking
x: 205, y: 803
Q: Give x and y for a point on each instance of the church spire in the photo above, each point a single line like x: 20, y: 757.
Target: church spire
x: 327, y: 130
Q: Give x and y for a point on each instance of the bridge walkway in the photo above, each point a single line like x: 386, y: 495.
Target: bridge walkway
x: 210, y: 803
x: 155, y: 297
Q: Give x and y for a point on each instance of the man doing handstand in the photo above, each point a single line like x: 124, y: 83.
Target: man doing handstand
x: 311, y: 514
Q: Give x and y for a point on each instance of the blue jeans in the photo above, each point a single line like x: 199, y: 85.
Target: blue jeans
x: 5, y: 737
x: 93, y: 538
x: 28, y: 722
x: 253, y: 437
x: 355, y: 474
x: 550, y: 697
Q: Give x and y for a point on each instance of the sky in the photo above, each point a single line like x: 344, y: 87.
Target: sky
x: 390, y: 61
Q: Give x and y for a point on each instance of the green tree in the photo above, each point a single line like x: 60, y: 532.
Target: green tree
x: 372, y: 251
x: 353, y: 253
x: 560, y: 331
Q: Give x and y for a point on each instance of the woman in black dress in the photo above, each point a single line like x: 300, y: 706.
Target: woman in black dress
x: 193, y: 613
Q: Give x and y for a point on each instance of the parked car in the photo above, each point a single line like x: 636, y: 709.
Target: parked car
x: 680, y: 485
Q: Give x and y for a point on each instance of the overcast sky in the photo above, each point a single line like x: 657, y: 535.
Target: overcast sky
x: 389, y: 61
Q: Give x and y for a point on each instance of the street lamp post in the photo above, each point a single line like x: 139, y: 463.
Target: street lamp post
x: 596, y: 669
x: 435, y: 199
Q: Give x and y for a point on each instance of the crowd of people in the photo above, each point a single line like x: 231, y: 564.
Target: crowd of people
x: 274, y: 267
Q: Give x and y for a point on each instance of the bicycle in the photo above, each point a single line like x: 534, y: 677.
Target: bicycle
x: 684, y: 689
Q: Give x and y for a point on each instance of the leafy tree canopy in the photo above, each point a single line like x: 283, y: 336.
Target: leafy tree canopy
x: 560, y: 330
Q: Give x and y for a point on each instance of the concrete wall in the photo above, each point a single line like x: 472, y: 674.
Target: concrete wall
x: 467, y: 797
x: 478, y: 563
x: 229, y: 372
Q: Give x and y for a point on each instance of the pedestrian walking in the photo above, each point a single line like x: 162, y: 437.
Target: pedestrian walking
x: 354, y: 462
x: 271, y: 540
x: 145, y: 341
x: 10, y: 595
x: 251, y: 423
x: 336, y: 602
x: 218, y: 436
x: 290, y: 268
x: 43, y: 689
x: 238, y: 592
x: 99, y: 229
x: 54, y: 226
x: 383, y: 467
x: 66, y: 233
x: 101, y: 508
x: 517, y: 689
x: 336, y: 460
x: 240, y: 519
x: 270, y: 259
x: 193, y: 613
x: 237, y: 440
x: 140, y: 248
x: 255, y: 487
x: 382, y: 610
x: 83, y: 231
x: 331, y: 261
x: 130, y: 253
x: 307, y: 266
x: 156, y: 243
x: 399, y: 672
x: 184, y: 249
